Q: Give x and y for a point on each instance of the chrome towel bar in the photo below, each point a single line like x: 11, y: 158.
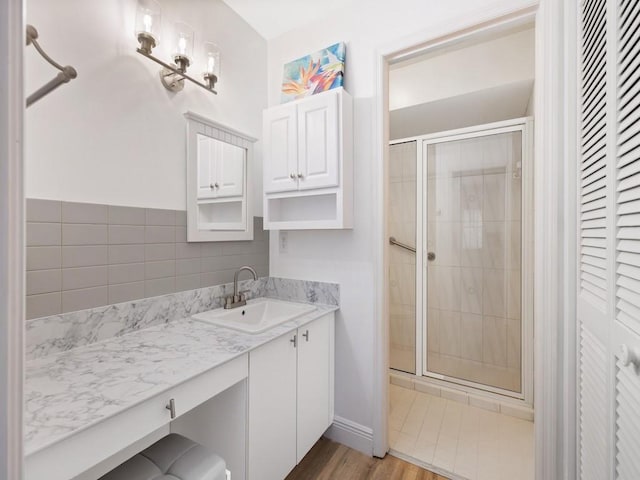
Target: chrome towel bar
x: 393, y: 241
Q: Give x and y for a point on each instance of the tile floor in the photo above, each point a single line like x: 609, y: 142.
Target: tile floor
x: 467, y: 441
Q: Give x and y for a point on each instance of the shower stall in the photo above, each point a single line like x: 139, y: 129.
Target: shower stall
x: 460, y: 257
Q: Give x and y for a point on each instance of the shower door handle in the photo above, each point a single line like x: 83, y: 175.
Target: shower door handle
x: 431, y: 256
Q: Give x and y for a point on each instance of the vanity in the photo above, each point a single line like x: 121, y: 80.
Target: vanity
x: 260, y: 393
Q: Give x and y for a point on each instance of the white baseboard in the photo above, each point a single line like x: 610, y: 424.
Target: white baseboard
x: 351, y: 434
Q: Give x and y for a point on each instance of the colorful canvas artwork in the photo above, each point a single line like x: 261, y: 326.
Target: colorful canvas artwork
x: 315, y: 73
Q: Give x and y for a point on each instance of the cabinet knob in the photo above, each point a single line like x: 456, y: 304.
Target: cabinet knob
x: 216, y: 185
x: 294, y: 341
x: 300, y: 175
x: 171, y: 406
x: 293, y: 176
x: 211, y: 186
x: 629, y: 356
x: 306, y: 335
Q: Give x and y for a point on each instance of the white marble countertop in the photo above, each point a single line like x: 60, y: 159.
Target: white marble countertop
x: 71, y: 391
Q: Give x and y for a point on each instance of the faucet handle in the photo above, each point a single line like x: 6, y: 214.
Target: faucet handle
x: 243, y: 294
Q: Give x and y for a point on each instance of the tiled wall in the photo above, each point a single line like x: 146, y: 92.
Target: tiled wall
x: 402, y: 263
x: 86, y: 255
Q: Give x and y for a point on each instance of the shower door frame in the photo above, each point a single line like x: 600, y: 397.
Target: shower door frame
x: 525, y: 126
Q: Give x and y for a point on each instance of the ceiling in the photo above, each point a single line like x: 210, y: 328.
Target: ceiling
x: 272, y: 18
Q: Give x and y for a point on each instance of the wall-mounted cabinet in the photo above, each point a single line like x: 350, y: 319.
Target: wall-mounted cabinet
x: 218, y: 176
x: 308, y: 163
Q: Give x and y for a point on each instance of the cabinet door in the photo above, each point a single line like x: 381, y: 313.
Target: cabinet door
x: 318, y: 142
x: 314, y: 383
x: 280, y: 149
x: 230, y: 166
x: 206, y: 166
x: 272, y: 407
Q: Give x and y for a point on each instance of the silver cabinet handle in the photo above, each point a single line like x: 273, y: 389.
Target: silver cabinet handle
x: 300, y: 175
x: 306, y: 335
x: 293, y: 176
x: 172, y: 408
x: 294, y: 341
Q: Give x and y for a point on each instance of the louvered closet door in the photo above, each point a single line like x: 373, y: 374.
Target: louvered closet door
x: 626, y: 331
x: 594, y: 304
x: 609, y: 290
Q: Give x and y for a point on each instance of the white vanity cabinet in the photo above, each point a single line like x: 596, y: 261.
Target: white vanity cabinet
x: 308, y: 163
x: 290, y: 398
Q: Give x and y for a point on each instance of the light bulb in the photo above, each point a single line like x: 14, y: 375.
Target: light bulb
x: 182, y: 46
x: 211, y: 63
x: 147, y: 21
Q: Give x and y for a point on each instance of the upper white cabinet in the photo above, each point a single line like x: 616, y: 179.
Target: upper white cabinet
x: 221, y: 168
x: 280, y: 149
x: 308, y: 163
x: 218, y: 176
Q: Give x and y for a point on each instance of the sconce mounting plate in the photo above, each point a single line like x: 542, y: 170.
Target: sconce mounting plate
x: 171, y: 80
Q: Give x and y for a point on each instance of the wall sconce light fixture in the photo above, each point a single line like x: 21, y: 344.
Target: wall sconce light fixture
x: 173, y: 75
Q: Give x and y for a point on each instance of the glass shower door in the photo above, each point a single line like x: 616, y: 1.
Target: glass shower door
x: 473, y: 265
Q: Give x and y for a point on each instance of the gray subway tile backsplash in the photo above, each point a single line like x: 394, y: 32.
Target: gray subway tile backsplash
x: 43, y: 281
x: 84, y: 277
x: 188, y: 282
x: 126, y: 234
x: 159, y: 286
x: 158, y: 234
x: 181, y: 218
x: 73, y: 300
x: 84, y: 213
x: 187, y: 266
x: 159, y: 251
x: 126, y: 215
x: 126, y: 273
x: 160, y: 217
x: 188, y: 250
x: 166, y: 268
x: 84, y: 234
x: 44, y: 258
x: 43, y: 234
x: 86, y: 255
x: 44, y: 305
x: 43, y: 210
x: 124, y: 292
x: 126, y: 254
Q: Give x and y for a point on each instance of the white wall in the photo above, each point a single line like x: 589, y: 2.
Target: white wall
x: 347, y: 257
x: 115, y: 135
x: 499, y: 61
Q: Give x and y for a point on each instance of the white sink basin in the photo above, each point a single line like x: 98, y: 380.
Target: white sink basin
x: 256, y: 316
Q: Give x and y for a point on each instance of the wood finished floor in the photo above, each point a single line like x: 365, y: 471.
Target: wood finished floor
x: 329, y: 460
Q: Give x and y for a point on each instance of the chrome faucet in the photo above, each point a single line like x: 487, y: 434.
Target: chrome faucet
x: 238, y: 299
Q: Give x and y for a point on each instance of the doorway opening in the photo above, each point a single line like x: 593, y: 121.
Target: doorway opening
x: 460, y: 269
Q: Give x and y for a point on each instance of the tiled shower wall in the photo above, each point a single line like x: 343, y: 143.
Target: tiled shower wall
x: 86, y: 255
x: 402, y: 263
